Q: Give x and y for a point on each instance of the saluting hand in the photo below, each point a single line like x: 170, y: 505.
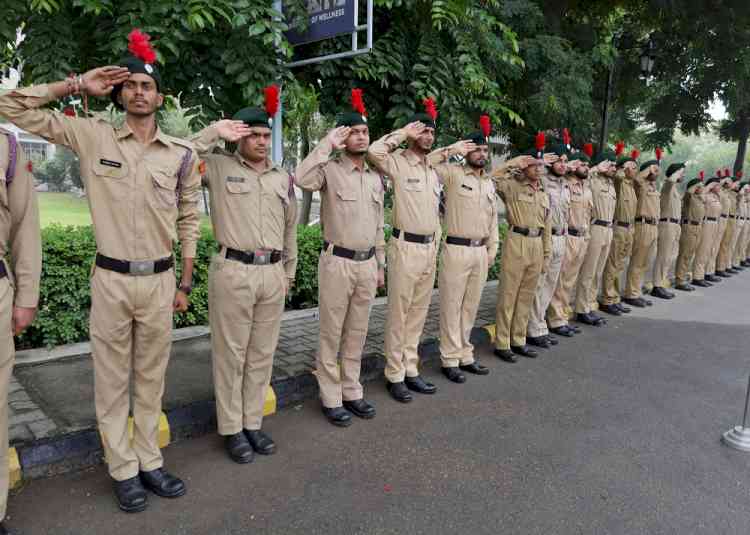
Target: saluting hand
x: 337, y: 137
x: 414, y: 130
x: 463, y: 147
x: 231, y: 131
x: 22, y: 318
x: 521, y: 162
x: 100, y: 81
x: 550, y: 158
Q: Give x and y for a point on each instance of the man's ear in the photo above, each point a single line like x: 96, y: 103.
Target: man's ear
x: 160, y: 101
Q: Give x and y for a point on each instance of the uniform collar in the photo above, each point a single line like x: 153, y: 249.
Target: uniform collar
x: 125, y: 131
x: 350, y: 166
x: 413, y: 159
x: 271, y: 166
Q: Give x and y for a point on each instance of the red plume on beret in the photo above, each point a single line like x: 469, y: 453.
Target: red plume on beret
x: 588, y: 150
x: 484, y: 125
x: 701, y: 176
x: 738, y: 174
x: 619, y: 148
x: 635, y: 153
x: 272, y: 99
x: 659, y: 153
x: 139, y: 44
x: 727, y: 172
x: 358, y: 104
x: 566, y: 137
x: 719, y: 173
x: 429, y: 108
x: 540, y: 141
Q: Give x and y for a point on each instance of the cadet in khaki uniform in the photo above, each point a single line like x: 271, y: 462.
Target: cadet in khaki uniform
x: 732, y: 268
x: 254, y: 216
x: 693, y: 212
x: 744, y: 208
x: 526, y: 250
x: 709, y: 232
x: 644, y: 239
x: 622, y: 235
x: 729, y: 212
x: 554, y: 183
x: 713, y: 268
x: 469, y: 250
x: 412, y: 250
x: 142, y: 186
x: 668, y: 241
x: 352, y: 261
x: 576, y: 243
x: 19, y: 276
x: 604, y: 197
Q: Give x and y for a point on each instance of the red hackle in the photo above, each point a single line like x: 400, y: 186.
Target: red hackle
x: 588, y: 150
x: 566, y: 137
x: 358, y: 104
x: 540, y: 141
x: 727, y: 173
x: 701, y: 176
x: 484, y: 125
x: 429, y: 108
x: 635, y: 153
x: 272, y: 99
x: 619, y: 148
x: 139, y: 44
x: 739, y: 174
x: 659, y: 153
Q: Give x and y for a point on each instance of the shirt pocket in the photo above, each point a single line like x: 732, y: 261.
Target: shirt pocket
x: 164, y: 183
x: 276, y: 199
x: 111, y: 178
x: 415, y: 184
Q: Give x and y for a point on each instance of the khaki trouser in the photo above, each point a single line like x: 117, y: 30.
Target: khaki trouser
x: 619, y: 252
x: 711, y: 263
x: 709, y: 231
x: 7, y: 357
x: 245, y: 304
x: 411, y: 278
x: 739, y: 248
x: 346, y: 289
x: 644, y: 240
x: 738, y: 227
x: 575, y: 252
x: 523, y: 259
x: 724, y: 261
x: 689, y: 238
x: 592, y: 268
x: 744, y: 239
x: 667, y: 246
x: 463, y: 272
x: 545, y: 288
x: 131, y: 329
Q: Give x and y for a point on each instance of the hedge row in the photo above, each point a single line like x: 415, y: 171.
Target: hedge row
x: 68, y: 253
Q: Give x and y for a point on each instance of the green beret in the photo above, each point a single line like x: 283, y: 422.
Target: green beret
x: 743, y: 184
x: 622, y: 160
x: 351, y: 118
x: 644, y: 165
x: 605, y: 155
x: 736, y: 178
x: 713, y: 180
x: 135, y: 66
x: 693, y: 182
x: 579, y: 155
x: 424, y: 119
x: 672, y: 169
x: 254, y: 117
x: 534, y: 153
x: 558, y: 149
x: 478, y: 138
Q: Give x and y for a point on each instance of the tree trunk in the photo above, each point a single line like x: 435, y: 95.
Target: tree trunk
x: 744, y: 133
x: 307, y: 196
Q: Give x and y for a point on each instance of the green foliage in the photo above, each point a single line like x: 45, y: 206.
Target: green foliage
x: 63, y: 166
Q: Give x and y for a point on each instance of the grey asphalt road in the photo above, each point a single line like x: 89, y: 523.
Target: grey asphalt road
x: 615, y: 432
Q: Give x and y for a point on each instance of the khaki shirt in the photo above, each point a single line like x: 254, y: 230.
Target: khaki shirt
x: 249, y: 210
x: 604, y: 197
x: 470, y: 203
x: 581, y: 204
x: 670, y: 201
x: 559, y: 201
x: 713, y: 204
x: 416, y: 185
x: 526, y: 205
x: 648, y: 198
x: 725, y: 200
x: 19, y: 225
x: 138, y: 208
x: 351, y: 211
x: 732, y: 205
x: 693, y: 207
x: 626, y: 199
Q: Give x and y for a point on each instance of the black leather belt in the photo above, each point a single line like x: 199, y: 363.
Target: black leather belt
x: 724, y: 215
x: 602, y: 223
x: 670, y: 220
x: 623, y: 224
x: 575, y: 232
x: 414, y: 238
x: 528, y: 232
x: 558, y: 231
x: 647, y: 220
x: 135, y: 267
x: 351, y: 254
x: 466, y: 242
x: 732, y: 217
x: 711, y: 219
x: 260, y: 257
x: 690, y: 222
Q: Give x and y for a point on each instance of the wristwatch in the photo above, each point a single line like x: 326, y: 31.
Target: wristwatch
x: 185, y: 289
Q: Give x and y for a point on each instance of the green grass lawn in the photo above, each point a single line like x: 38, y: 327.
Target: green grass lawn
x: 66, y: 209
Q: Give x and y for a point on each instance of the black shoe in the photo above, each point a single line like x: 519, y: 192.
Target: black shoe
x: 611, y: 309
x: 130, y: 494
x: 738, y: 268
x: 475, y: 368
x: 661, y: 293
x: 507, y: 355
x: 260, y: 442
x: 552, y: 340
x: 733, y: 270
x: 239, y: 448
x: 599, y: 320
x: 419, y: 385
x: 590, y: 319
x: 453, y: 375
x: 635, y: 301
x: 338, y: 416
x: 538, y: 341
x: 360, y: 408
x: 3, y: 530
x: 623, y: 308
x: 524, y: 351
x: 744, y: 263
x: 648, y: 303
x: 722, y: 274
x: 575, y: 328
x: 712, y: 278
x: 162, y: 483
x: 399, y: 392
x: 563, y: 330
x: 684, y: 287
x: 701, y: 283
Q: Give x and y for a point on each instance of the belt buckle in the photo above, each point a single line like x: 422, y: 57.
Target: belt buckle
x: 476, y: 243
x: 261, y: 257
x: 142, y: 267
x: 428, y: 239
x: 361, y: 256
x: 534, y: 232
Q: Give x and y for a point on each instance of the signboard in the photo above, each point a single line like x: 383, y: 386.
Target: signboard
x: 326, y: 19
